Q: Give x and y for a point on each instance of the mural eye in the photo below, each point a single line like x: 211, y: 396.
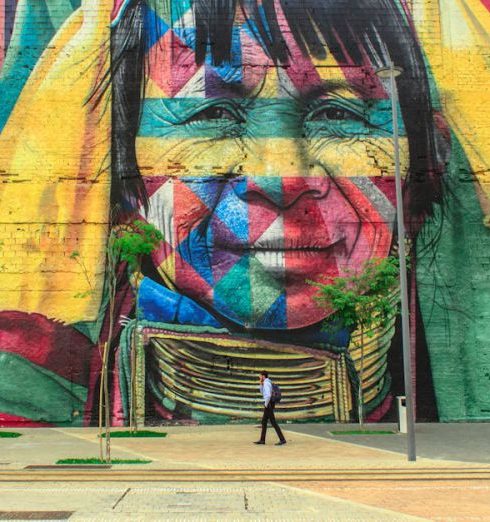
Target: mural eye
x: 334, y: 114
x: 215, y: 112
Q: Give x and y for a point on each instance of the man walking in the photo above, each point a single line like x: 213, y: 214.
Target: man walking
x: 266, y: 390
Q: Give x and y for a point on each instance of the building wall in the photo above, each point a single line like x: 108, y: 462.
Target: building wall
x: 260, y: 143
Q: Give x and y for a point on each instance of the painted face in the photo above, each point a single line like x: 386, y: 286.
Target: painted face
x: 263, y: 177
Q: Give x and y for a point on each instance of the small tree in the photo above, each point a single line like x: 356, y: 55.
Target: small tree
x: 133, y: 242
x: 127, y: 243
x: 112, y: 259
x: 363, y: 300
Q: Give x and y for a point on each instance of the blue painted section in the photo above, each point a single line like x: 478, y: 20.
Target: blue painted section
x: 208, y: 189
x: 187, y: 35
x: 233, y: 212
x: 194, y: 250
x: 155, y: 27
x: 159, y: 304
x: 276, y: 314
x: 230, y: 72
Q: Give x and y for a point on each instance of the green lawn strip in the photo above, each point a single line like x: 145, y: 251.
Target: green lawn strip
x: 9, y: 434
x: 363, y: 432
x: 98, y: 461
x: 136, y: 434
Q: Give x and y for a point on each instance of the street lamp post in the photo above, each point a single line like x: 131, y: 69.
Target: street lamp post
x: 391, y: 72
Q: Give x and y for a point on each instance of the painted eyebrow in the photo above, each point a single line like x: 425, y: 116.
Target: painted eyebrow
x: 238, y: 90
x: 326, y: 87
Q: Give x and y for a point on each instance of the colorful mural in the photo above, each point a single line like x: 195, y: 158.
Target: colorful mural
x: 256, y: 136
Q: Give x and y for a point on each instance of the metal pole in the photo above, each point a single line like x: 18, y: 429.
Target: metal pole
x: 407, y: 368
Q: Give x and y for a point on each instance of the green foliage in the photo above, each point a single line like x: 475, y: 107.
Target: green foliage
x: 136, y: 434
x: 363, y: 432
x: 75, y: 255
x: 361, y: 299
x: 9, y: 434
x: 100, y: 461
x: 135, y: 241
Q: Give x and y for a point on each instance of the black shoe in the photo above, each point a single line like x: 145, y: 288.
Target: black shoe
x: 259, y: 442
x: 280, y: 443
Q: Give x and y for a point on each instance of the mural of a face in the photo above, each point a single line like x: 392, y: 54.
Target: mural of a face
x: 262, y: 176
x: 255, y: 135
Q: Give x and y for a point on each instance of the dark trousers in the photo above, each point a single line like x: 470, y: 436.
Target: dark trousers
x: 269, y: 416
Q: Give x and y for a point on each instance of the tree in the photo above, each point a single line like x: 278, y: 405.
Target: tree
x: 127, y: 243
x: 364, y: 300
x: 132, y: 243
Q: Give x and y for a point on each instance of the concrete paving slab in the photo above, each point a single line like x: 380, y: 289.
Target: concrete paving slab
x: 72, y: 498
x: 463, y: 442
x: 184, y: 502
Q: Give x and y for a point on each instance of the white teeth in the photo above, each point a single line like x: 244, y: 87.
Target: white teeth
x: 273, y: 237
x: 271, y: 259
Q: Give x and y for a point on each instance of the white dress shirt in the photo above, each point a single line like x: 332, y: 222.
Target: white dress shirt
x: 266, y: 391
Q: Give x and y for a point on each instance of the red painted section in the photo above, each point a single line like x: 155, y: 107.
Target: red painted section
x: 378, y: 414
x: 8, y: 420
x: 54, y: 346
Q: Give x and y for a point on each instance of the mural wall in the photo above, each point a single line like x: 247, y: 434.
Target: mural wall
x: 256, y: 136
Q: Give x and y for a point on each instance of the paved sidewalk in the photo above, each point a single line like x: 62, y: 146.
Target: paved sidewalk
x: 218, y: 501
x: 216, y: 473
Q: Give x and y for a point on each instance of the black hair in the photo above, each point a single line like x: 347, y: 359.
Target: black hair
x: 352, y: 30
x: 265, y: 374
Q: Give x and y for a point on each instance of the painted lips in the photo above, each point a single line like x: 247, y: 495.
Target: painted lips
x: 274, y: 255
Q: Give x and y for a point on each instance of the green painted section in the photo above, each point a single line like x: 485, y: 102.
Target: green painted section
x: 264, y: 118
x: 454, y: 293
x: 272, y: 187
x: 234, y: 289
x: 42, y: 396
x: 36, y: 22
x: 171, y: 10
x: 265, y: 289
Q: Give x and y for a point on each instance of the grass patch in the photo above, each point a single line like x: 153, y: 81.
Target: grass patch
x: 363, y: 432
x: 98, y: 461
x: 9, y: 434
x: 136, y: 434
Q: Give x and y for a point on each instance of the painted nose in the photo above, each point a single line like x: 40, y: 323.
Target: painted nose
x: 281, y: 192
x: 278, y: 170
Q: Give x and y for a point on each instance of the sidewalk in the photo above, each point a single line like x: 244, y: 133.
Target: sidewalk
x: 216, y: 473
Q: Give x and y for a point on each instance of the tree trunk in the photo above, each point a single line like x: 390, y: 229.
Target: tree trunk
x: 132, y: 406
x: 104, y: 397
x: 360, y: 395
x: 101, y: 407
x: 133, y: 420
x: 107, y: 410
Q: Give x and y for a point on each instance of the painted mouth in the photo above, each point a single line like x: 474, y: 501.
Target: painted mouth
x: 282, y: 245
x: 297, y: 258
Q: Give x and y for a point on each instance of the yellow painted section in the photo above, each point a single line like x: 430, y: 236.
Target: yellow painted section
x: 178, y: 157
x: 459, y: 58
x: 64, y: 210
